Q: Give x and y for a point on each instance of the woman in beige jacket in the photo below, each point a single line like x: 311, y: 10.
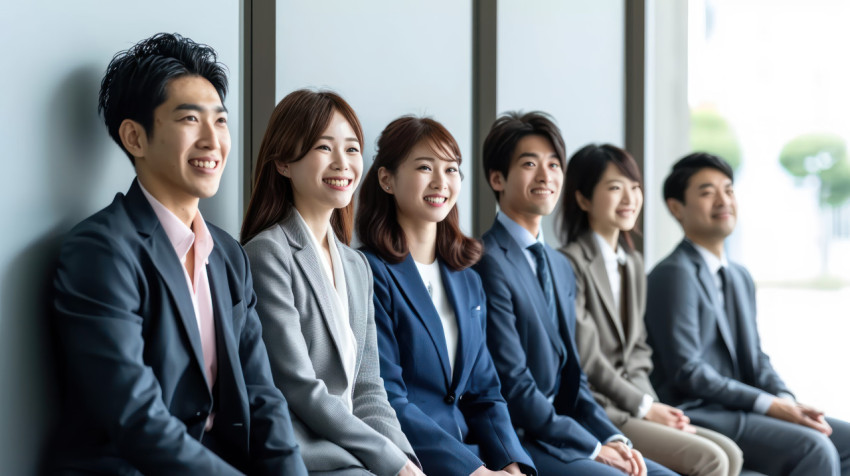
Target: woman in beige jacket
x: 602, y: 201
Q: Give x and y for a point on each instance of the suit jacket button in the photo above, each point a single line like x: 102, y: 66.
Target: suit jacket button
x: 450, y: 398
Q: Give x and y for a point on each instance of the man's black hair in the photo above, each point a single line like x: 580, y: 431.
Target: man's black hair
x: 136, y: 79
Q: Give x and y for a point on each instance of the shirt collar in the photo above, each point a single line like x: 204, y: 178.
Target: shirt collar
x: 612, y: 258
x: 182, y: 237
x: 711, y: 260
x: 522, y: 236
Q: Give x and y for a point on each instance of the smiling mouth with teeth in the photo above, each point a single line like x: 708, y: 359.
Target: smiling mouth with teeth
x: 435, y: 199
x: 339, y: 183
x: 204, y: 164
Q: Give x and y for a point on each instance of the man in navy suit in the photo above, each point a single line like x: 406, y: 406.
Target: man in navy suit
x: 163, y: 366
x: 701, y: 320
x: 530, y: 292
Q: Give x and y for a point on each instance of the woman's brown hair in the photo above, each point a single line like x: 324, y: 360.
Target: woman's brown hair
x: 296, y: 124
x: 377, y: 221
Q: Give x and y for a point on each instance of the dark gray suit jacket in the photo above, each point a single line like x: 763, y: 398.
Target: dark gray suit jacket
x: 697, y: 365
x: 293, y: 301
x: 614, y: 355
x: 136, y: 399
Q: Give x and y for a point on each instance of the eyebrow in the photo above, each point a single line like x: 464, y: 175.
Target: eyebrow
x: 536, y: 155
x: 195, y: 107
x: 432, y: 159
x: 347, y: 139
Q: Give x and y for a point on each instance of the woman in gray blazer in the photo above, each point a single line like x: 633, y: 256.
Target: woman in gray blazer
x: 602, y: 201
x: 314, y: 293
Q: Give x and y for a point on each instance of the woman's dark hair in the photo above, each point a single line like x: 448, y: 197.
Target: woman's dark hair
x: 584, y: 171
x: 377, y: 222
x: 296, y: 124
x: 136, y: 79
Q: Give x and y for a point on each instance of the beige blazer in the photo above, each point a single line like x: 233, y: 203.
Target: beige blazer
x: 614, y: 354
x: 293, y: 302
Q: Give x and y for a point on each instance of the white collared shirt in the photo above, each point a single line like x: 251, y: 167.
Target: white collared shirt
x: 335, y: 279
x: 613, y: 260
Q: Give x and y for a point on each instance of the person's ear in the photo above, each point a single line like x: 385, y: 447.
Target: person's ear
x: 677, y: 209
x: 133, y: 137
x: 497, y: 181
x: 583, y: 202
x: 385, y: 179
x: 282, y: 168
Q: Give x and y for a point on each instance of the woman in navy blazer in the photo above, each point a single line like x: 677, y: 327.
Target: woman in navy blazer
x: 436, y: 368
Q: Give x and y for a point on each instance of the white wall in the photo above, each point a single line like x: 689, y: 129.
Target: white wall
x: 566, y: 58
x: 59, y: 165
x: 387, y: 59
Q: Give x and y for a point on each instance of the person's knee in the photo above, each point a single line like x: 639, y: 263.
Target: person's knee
x: 820, y: 448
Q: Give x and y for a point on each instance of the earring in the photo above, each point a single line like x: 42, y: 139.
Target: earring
x: 388, y: 188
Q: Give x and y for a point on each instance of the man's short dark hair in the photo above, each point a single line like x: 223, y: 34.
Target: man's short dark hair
x: 507, y: 131
x: 677, y: 182
x: 135, y: 80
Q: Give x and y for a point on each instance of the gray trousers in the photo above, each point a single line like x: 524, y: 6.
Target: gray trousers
x: 777, y: 447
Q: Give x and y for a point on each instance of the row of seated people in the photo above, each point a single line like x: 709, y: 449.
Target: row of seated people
x: 427, y: 352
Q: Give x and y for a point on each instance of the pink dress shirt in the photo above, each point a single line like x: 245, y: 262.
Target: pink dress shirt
x: 182, y: 238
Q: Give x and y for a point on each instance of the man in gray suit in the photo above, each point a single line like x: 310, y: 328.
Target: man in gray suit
x: 701, y: 319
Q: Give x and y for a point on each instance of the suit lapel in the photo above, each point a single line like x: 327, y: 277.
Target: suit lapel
x: 410, y: 283
x: 744, y: 319
x: 460, y: 304
x: 709, y: 288
x: 599, y: 276
x: 168, y: 266
x: 356, y: 314
x: 308, y: 261
x: 229, y: 387
x: 635, y: 315
x: 527, y: 279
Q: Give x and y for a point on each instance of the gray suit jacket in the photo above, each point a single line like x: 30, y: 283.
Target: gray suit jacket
x: 615, y: 357
x: 293, y: 302
x: 697, y: 364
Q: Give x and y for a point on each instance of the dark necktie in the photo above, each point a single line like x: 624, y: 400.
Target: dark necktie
x: 544, y: 276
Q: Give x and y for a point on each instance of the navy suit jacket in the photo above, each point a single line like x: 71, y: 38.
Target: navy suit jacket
x: 455, y: 421
x: 696, y: 363
x: 542, y: 380
x: 135, y: 394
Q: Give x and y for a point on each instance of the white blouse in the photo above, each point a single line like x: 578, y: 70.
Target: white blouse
x: 433, y: 281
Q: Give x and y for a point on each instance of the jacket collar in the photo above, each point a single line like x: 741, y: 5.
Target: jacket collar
x: 528, y: 280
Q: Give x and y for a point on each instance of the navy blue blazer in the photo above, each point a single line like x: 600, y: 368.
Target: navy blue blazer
x: 135, y: 393
x: 697, y: 365
x: 455, y: 421
x: 542, y: 380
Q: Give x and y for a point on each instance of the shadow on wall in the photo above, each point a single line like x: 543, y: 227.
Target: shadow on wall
x: 74, y: 157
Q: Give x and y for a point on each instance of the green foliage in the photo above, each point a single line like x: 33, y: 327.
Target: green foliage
x: 712, y: 133
x: 823, y: 155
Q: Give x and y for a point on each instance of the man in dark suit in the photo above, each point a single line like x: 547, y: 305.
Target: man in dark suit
x: 163, y: 365
x: 701, y: 319
x: 531, y: 320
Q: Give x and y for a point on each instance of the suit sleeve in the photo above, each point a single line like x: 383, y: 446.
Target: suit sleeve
x: 672, y: 318
x: 767, y: 377
x: 601, y: 374
x: 439, y: 451
x: 371, y: 403
x: 307, y: 395
x: 274, y: 449
x: 528, y: 406
x: 99, y: 288
x: 485, y: 410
